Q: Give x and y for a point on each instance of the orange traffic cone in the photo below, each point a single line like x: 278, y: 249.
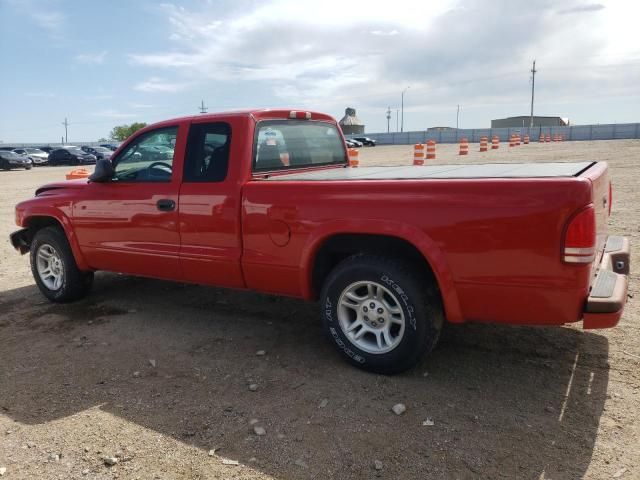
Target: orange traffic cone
x: 495, y: 142
x: 418, y: 154
x: 464, y: 146
x: 431, y: 150
x: 526, y: 140
x: 353, y: 157
x: 483, y: 144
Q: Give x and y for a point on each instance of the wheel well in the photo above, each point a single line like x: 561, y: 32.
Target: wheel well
x: 339, y: 247
x: 38, y: 223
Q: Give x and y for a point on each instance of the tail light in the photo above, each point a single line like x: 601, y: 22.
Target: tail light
x: 580, y: 237
x: 610, y: 197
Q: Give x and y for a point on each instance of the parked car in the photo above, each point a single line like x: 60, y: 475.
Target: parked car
x: 70, y: 156
x: 37, y: 156
x: 389, y: 253
x: 9, y: 160
x: 7, y: 148
x: 369, y: 142
x: 98, y: 152
x: 110, y: 146
x: 352, y: 143
x: 47, y: 149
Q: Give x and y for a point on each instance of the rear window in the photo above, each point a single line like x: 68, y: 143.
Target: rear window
x: 282, y: 144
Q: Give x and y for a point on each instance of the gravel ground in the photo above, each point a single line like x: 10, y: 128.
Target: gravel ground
x: 157, y: 375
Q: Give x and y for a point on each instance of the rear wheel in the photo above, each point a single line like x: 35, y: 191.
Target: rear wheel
x: 5, y: 165
x: 54, y: 268
x: 381, y: 314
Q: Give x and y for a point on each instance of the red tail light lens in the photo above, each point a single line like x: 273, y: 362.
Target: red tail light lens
x: 580, y: 237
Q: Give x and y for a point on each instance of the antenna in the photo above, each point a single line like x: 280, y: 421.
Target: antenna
x: 203, y: 108
x: 388, y: 117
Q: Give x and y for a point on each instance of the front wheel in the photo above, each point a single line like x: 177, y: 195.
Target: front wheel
x: 54, y: 268
x: 381, y: 314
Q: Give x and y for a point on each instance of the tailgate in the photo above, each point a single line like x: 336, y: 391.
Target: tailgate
x: 598, y: 173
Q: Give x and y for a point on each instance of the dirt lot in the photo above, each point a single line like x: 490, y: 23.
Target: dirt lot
x: 77, y: 381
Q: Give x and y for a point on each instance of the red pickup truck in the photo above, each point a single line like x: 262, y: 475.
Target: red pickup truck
x: 265, y: 200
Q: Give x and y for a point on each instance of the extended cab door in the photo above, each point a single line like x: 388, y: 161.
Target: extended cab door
x: 209, y: 206
x: 130, y: 224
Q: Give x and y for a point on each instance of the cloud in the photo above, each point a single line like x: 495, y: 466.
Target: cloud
x: 303, y: 54
x: 383, y: 33
x: 92, y: 58
x: 155, y: 84
x: 591, y: 7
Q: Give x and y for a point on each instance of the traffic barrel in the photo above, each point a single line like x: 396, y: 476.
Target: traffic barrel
x: 483, y: 144
x: 464, y: 146
x: 495, y: 142
x: 512, y: 140
x: 518, y: 140
x: 353, y: 157
x: 78, y: 173
x: 526, y: 140
x: 541, y: 140
x: 431, y: 150
x: 418, y: 154
x: 547, y: 138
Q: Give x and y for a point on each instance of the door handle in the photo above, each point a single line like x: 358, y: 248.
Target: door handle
x: 166, y: 205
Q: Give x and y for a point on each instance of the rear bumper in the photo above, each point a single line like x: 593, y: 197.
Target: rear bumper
x: 608, y: 293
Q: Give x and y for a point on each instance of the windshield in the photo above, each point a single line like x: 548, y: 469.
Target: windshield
x: 102, y: 149
x: 33, y: 150
x: 282, y: 144
x: 8, y: 154
x: 76, y: 151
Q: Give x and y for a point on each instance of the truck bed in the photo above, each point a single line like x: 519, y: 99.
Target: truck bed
x: 489, y: 170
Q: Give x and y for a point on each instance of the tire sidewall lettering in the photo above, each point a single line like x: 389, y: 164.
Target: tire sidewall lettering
x: 404, y: 297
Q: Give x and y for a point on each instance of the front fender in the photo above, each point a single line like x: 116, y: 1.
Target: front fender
x: 425, y: 245
x: 27, y: 216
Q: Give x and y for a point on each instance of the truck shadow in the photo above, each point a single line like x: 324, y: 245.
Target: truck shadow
x: 505, y: 401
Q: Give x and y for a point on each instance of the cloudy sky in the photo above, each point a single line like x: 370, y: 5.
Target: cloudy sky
x: 106, y: 63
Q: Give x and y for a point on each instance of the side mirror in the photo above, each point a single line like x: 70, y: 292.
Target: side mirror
x: 103, y: 173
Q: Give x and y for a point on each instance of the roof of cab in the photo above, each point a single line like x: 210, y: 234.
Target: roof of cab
x: 256, y: 113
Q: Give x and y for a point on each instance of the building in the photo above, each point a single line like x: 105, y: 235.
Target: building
x: 525, y: 120
x: 350, y: 123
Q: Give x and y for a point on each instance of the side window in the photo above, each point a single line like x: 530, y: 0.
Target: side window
x: 207, y: 157
x: 148, y: 158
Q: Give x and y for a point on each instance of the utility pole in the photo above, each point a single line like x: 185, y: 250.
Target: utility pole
x: 388, y: 117
x: 457, y: 116
x: 202, y: 107
x: 402, y: 108
x: 533, y: 85
x: 397, y: 119
x: 66, y: 125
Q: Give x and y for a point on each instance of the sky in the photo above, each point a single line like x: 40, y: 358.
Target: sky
x: 106, y: 63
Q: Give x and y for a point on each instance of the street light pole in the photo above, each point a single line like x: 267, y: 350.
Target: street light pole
x: 402, y: 109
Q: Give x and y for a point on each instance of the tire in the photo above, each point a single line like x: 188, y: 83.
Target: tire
x: 5, y: 165
x: 28, y: 167
x: 407, y: 305
x: 74, y: 283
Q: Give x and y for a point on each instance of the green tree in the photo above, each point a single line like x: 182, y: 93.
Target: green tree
x: 122, y: 132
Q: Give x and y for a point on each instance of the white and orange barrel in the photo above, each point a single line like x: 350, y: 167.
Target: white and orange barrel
x: 354, y: 160
x: 547, y: 138
x: 518, y: 140
x: 484, y: 141
x: 464, y: 146
x: 526, y: 140
x: 418, y: 154
x: 541, y: 139
x: 512, y: 140
x: 495, y: 142
x: 78, y: 173
x: 431, y: 150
